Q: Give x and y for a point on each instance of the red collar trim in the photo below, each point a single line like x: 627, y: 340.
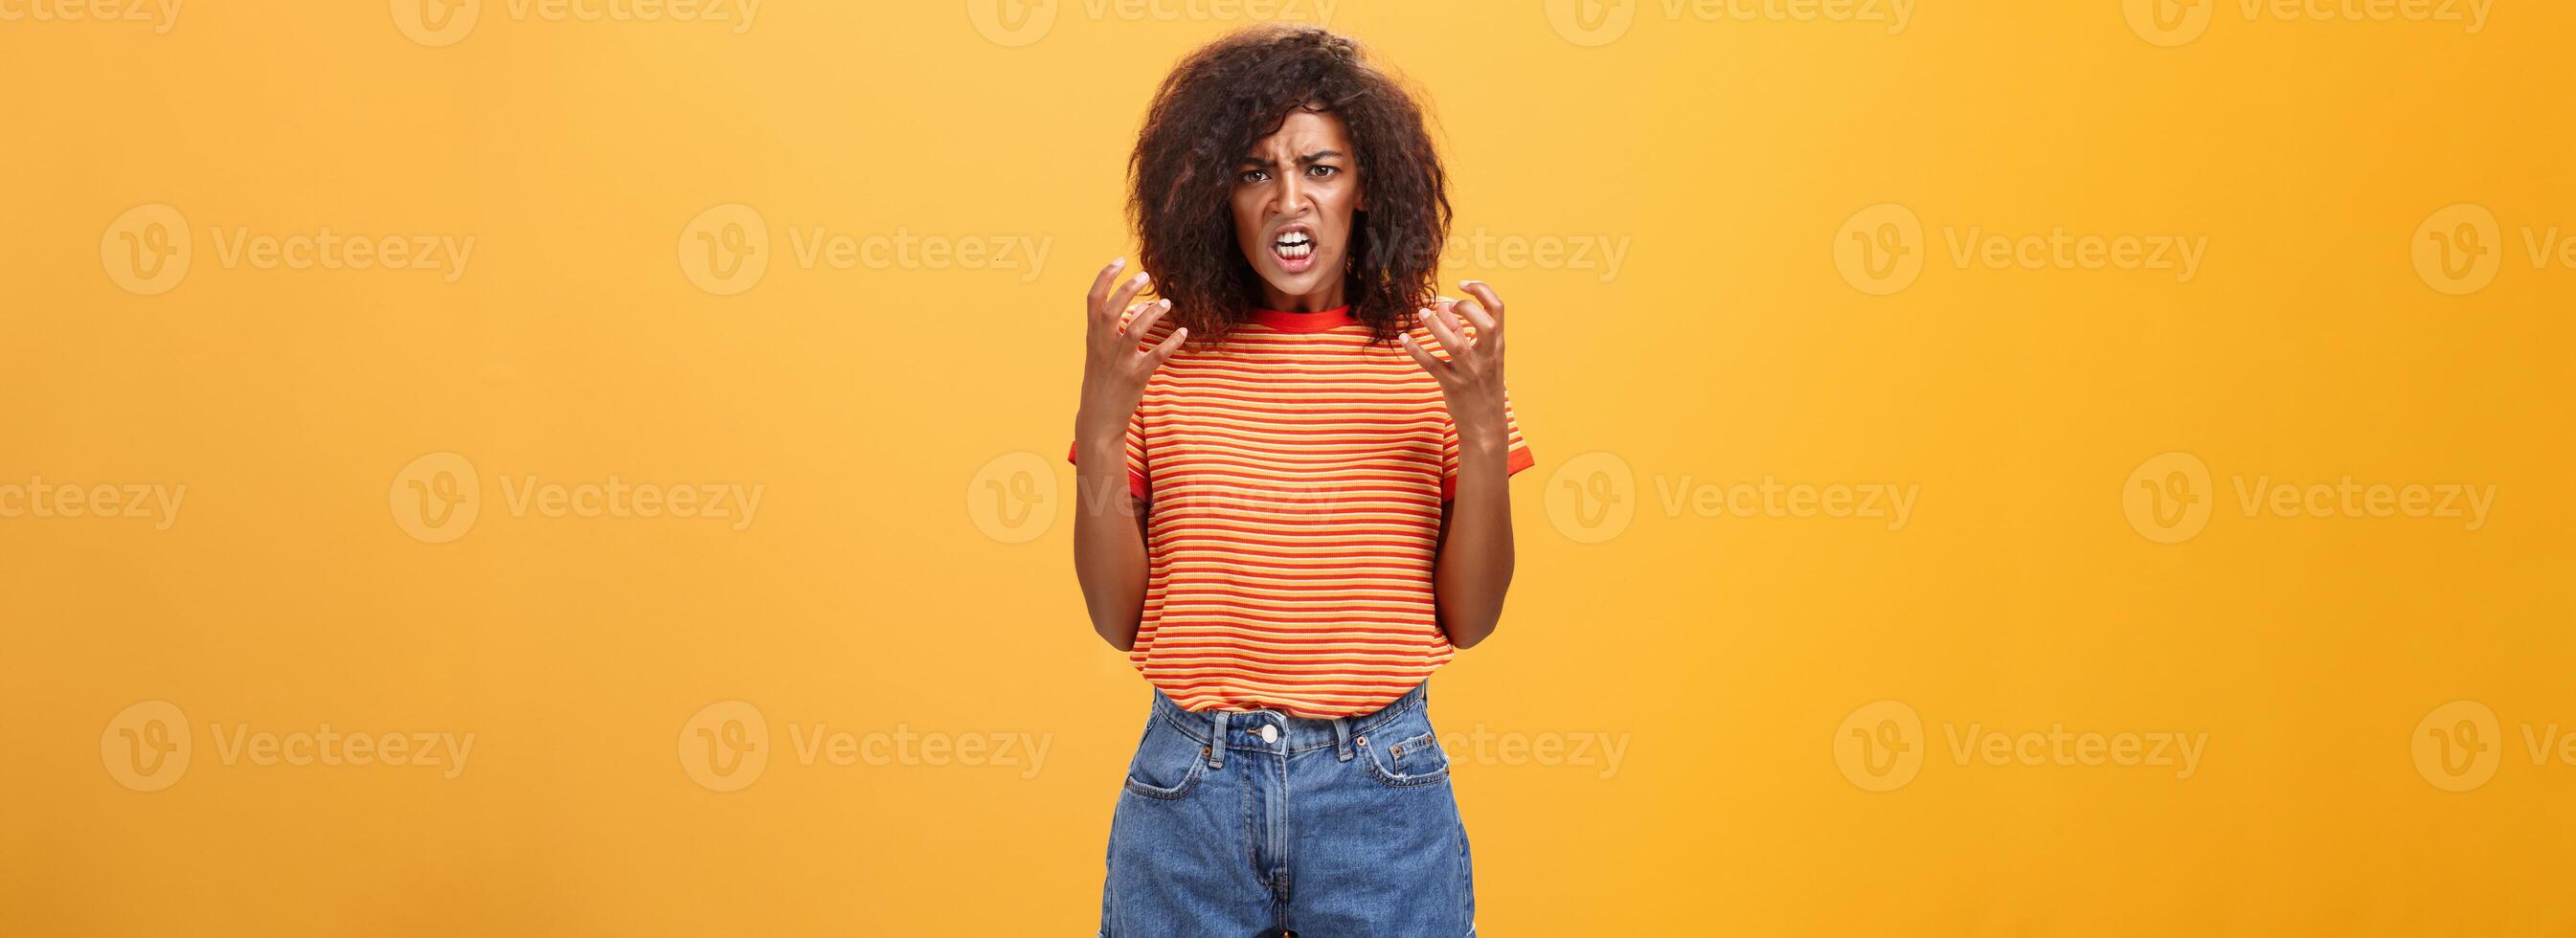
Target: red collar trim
x: 1317, y: 321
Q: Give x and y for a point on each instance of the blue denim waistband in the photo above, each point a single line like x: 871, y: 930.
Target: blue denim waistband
x: 1242, y: 729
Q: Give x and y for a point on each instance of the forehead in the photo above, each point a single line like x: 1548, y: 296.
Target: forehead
x: 1305, y: 132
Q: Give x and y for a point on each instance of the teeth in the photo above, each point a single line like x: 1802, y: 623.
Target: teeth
x: 1294, y: 245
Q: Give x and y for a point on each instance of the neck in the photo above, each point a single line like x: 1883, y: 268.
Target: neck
x: 1318, y: 301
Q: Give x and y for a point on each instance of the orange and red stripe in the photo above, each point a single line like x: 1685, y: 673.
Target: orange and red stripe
x: 1294, y: 473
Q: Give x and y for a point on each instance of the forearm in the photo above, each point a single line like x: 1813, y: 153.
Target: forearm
x: 1474, y: 569
x: 1108, y: 525
x: 1108, y: 538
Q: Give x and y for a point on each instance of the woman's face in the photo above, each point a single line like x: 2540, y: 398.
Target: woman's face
x: 1293, y: 199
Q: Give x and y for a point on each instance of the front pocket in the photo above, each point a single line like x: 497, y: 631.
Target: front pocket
x: 1414, y: 760
x: 1168, y: 762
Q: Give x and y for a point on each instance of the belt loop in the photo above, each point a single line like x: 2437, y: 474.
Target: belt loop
x: 1216, y: 739
x: 1342, y: 737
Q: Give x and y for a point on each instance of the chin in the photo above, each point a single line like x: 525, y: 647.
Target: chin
x: 1301, y: 284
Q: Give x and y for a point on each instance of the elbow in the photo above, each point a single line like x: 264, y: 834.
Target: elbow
x: 1466, y: 637
x: 1471, y: 619
x: 1123, y: 641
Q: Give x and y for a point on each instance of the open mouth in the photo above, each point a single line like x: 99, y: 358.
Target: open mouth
x: 1294, y: 247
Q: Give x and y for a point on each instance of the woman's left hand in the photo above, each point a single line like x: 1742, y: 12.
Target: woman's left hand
x: 1472, y: 378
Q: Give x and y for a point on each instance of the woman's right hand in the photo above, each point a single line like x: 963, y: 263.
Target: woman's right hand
x: 1109, y: 529
x: 1114, y: 371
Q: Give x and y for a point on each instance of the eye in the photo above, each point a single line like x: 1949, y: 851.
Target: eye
x: 1253, y: 175
x: 1321, y: 170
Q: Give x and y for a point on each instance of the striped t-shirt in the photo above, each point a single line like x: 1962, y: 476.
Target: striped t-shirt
x: 1294, y: 473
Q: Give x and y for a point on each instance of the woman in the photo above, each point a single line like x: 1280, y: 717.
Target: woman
x: 1312, y: 513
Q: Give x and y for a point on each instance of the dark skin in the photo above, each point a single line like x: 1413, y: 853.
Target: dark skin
x: 1300, y: 179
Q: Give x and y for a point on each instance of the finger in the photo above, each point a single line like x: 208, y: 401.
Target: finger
x: 1100, y: 285
x: 1154, y: 359
x: 1476, y: 312
x: 1487, y: 337
x: 1127, y: 290
x: 1487, y: 298
x: 1433, y: 365
x: 1142, y: 323
x: 1448, y: 335
x: 1126, y: 322
x: 1443, y: 304
x: 1449, y: 315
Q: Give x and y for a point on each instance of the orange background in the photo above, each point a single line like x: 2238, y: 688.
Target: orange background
x: 903, y: 416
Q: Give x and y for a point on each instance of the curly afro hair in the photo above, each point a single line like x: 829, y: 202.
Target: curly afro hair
x: 1224, y: 98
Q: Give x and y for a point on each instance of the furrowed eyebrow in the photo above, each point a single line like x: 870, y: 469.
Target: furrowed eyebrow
x: 1306, y: 160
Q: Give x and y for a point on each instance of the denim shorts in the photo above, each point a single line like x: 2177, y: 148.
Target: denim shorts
x: 1234, y: 824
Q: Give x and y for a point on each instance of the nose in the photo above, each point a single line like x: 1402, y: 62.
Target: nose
x: 1292, y: 195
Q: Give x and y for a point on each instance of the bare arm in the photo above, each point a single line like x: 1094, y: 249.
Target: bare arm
x: 1108, y: 522
x: 1474, y: 567
x: 1109, y: 540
